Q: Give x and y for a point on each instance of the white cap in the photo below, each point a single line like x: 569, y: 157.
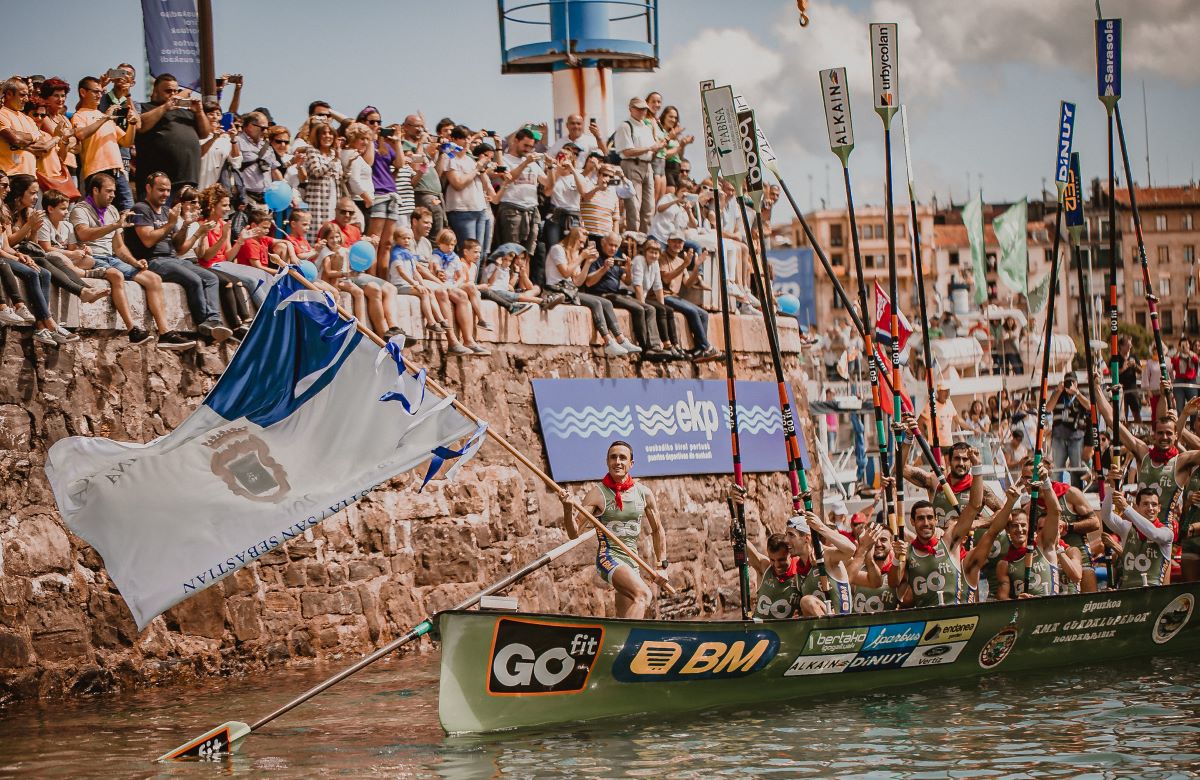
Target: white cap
x: 798, y: 524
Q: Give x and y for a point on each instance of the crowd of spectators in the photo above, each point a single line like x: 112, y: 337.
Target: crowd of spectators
x: 174, y: 190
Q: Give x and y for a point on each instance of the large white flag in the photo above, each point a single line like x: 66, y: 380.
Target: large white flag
x: 308, y: 417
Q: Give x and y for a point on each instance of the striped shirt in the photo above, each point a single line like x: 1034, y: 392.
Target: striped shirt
x: 599, y: 213
x: 404, y: 191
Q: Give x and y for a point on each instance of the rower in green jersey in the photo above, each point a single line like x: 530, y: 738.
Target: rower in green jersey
x: 963, y: 458
x: 778, y: 595
x: 931, y: 575
x: 1077, y: 521
x: 620, y: 503
x: 802, y: 572
x: 1161, y: 464
x: 1145, y: 541
x: 1189, y: 528
x: 1040, y: 558
x: 871, y: 590
x: 976, y: 564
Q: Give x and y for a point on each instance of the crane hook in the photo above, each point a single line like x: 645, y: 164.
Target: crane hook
x: 802, y: 7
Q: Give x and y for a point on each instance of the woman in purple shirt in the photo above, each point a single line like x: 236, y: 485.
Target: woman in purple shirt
x: 383, y: 155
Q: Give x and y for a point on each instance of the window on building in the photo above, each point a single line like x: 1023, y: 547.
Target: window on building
x: 836, y: 259
x: 835, y: 235
x: 1189, y: 254
x: 1164, y: 254
x: 1164, y: 286
x: 1187, y: 221
x: 1190, y: 290
x: 1168, y: 321
x: 1137, y: 287
x: 954, y: 258
x: 1141, y: 319
x: 837, y: 301
x: 1085, y: 255
x: 1102, y: 228
x: 1160, y: 222
x: 1193, y: 323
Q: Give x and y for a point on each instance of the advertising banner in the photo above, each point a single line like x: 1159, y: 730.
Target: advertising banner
x: 675, y: 426
x: 792, y: 270
x: 173, y: 39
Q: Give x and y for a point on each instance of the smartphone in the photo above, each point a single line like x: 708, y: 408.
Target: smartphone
x: 115, y: 73
x: 227, y: 121
x: 501, y: 168
x: 387, y: 132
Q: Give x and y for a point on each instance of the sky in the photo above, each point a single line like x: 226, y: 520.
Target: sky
x: 982, y: 79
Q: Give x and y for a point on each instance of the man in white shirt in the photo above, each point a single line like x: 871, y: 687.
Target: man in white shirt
x: 217, y: 147
x: 674, y: 213
x: 584, y: 141
x: 635, y: 143
x: 564, y: 186
x: 517, y: 212
x: 259, y: 167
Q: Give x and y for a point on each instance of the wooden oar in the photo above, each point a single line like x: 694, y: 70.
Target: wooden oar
x: 226, y: 737
x: 737, y: 510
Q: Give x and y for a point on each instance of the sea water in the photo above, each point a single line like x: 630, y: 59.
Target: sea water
x: 1135, y: 718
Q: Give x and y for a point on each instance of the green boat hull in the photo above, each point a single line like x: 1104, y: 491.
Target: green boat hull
x: 511, y: 670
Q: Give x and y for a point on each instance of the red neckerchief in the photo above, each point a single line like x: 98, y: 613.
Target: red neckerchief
x: 617, y: 488
x: 958, y: 487
x: 929, y: 548
x: 885, y: 568
x: 1158, y: 524
x: 1060, y: 489
x: 1016, y: 553
x: 1159, y: 457
x: 792, y: 570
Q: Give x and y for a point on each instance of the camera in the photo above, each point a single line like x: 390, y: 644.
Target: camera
x: 614, y: 180
x: 387, y: 132
x: 450, y: 149
x: 121, y: 116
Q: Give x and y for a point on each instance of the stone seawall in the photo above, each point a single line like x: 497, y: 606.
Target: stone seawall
x: 360, y: 578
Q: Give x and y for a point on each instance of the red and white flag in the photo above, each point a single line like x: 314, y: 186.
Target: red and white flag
x: 883, y: 341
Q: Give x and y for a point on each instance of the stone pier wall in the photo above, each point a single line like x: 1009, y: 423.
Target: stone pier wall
x: 359, y: 579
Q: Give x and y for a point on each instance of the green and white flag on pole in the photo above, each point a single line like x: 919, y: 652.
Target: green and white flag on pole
x: 1038, y: 294
x: 972, y: 215
x: 1014, y: 249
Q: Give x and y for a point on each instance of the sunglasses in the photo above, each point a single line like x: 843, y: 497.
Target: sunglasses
x: 281, y: 140
x: 347, y: 212
x: 374, y: 121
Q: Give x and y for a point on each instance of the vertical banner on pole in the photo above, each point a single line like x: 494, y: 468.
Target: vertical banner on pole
x: 886, y: 70
x: 172, y: 30
x: 1066, y: 137
x: 836, y: 93
x: 1108, y: 61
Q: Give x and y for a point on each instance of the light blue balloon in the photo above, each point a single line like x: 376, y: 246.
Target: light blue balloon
x: 308, y: 270
x: 789, y: 305
x: 362, y: 255
x: 278, y: 196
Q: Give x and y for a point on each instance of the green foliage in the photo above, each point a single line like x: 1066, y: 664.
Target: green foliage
x: 1142, y: 340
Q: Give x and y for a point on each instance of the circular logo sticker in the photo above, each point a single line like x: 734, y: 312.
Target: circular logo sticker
x: 998, y: 647
x: 1173, y: 618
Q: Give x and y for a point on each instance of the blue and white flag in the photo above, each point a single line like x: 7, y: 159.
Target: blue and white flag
x: 304, y: 422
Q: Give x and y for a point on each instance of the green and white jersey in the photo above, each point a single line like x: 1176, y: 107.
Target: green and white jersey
x: 935, y: 579
x: 944, y: 511
x: 1043, y: 576
x: 1143, y: 562
x: 995, y: 555
x: 625, y: 522
x: 779, y: 598
x: 1160, y: 477
x: 881, y: 599
x: 1190, y: 544
x: 838, y: 597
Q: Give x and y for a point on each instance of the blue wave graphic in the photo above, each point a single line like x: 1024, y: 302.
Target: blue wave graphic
x: 587, y: 421
x: 759, y: 419
x: 657, y: 419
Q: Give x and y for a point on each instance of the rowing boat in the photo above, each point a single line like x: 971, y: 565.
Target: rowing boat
x: 510, y: 670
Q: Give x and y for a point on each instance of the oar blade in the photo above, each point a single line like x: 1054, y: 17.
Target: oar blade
x: 223, y: 739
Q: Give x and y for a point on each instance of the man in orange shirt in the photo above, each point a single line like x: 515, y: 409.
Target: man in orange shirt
x: 21, y: 142
x: 98, y: 131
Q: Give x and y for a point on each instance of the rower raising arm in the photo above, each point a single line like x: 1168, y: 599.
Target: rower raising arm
x: 1043, y: 578
x: 978, y: 557
x: 1145, y: 542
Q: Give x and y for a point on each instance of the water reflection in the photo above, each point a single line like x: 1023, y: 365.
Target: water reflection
x: 1136, y: 718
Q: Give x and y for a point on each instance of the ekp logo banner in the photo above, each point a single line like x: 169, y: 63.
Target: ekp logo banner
x: 793, y: 271
x: 675, y: 426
